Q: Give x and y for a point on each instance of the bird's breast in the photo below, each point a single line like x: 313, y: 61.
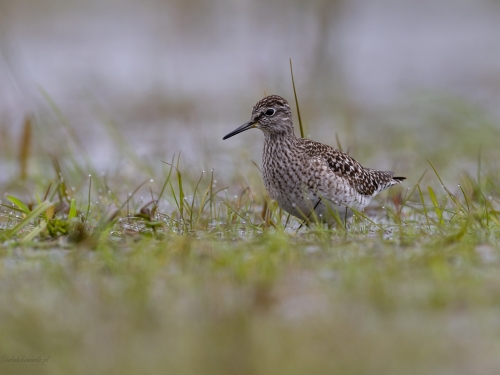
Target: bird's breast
x: 286, y: 179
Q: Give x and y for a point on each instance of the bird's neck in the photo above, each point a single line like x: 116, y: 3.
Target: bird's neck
x: 278, y: 144
x: 279, y: 137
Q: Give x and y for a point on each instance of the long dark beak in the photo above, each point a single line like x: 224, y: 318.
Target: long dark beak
x: 242, y: 128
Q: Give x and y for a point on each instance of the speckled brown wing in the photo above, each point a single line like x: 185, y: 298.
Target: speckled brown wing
x: 366, y: 181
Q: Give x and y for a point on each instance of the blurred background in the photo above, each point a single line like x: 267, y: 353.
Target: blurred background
x: 398, y: 81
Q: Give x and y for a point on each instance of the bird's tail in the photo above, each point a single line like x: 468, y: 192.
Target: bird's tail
x: 398, y: 180
x: 393, y: 180
x: 385, y: 179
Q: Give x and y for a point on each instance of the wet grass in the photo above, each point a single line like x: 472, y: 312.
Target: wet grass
x: 167, y: 270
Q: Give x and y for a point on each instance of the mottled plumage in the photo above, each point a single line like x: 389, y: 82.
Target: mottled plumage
x: 304, y: 175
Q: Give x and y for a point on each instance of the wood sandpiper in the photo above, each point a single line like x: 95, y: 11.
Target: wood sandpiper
x: 307, y: 178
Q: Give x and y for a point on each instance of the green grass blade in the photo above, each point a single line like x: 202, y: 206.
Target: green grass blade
x: 37, y: 211
x: 88, y: 205
x: 72, y: 209
x: 18, y: 203
x: 181, y: 194
x: 191, y: 209
x: 437, y: 208
x: 423, y: 205
x: 25, y: 147
x: 37, y: 230
x: 202, y: 204
x: 13, y: 208
x: 297, y: 102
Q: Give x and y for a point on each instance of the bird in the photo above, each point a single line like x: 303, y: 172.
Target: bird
x: 310, y: 180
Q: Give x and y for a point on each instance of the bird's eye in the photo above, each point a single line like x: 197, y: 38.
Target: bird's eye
x: 270, y: 112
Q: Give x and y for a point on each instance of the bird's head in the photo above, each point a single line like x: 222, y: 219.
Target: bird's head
x: 272, y: 115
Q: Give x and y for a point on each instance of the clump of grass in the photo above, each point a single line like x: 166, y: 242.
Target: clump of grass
x: 192, y: 206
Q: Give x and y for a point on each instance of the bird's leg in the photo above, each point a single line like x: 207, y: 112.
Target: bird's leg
x: 307, y: 218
